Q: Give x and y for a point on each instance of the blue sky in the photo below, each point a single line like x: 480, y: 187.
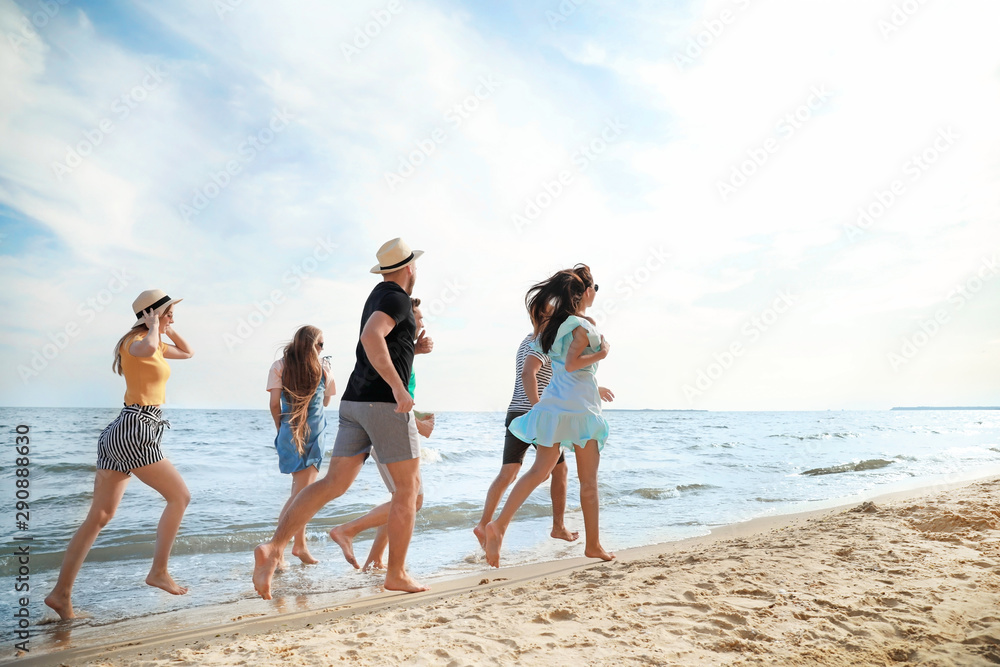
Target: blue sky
x: 788, y: 205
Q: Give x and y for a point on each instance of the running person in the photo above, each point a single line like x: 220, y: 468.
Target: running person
x: 569, y: 413
x: 378, y: 517
x: 375, y: 413
x: 131, y: 444
x: 532, y: 372
x: 301, y: 386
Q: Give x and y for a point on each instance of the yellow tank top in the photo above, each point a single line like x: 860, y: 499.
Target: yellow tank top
x: 145, y: 377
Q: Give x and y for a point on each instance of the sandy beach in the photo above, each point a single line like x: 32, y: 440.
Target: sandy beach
x: 912, y: 578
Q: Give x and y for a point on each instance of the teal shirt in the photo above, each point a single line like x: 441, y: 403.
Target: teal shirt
x: 413, y: 383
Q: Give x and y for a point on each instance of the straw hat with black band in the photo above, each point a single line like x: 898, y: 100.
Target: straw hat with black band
x: 151, y: 299
x: 394, y: 255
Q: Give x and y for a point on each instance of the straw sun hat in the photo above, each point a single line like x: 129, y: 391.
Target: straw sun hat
x: 155, y: 299
x: 394, y: 255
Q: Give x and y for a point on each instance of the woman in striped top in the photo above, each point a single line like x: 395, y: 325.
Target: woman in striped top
x: 532, y: 372
x: 131, y: 444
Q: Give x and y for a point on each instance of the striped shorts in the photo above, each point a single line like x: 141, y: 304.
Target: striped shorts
x: 132, y: 440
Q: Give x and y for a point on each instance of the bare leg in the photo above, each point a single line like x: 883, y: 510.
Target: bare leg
x: 339, y: 477
x: 560, y: 481
x: 345, y: 533
x: 402, y: 512
x: 163, y: 477
x: 587, y: 461
x: 381, y: 541
x: 109, y: 486
x: 300, y: 480
x: 545, y: 460
x: 507, y: 475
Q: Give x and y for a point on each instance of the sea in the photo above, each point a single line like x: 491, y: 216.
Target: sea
x: 664, y: 476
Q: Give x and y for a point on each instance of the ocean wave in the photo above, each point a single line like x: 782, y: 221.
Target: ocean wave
x: 662, y: 494
x: 869, y: 464
x: 717, y: 445
x: 817, y: 436
x: 429, y: 455
x: 65, y: 467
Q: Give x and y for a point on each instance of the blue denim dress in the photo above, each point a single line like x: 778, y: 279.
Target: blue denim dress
x: 289, y: 459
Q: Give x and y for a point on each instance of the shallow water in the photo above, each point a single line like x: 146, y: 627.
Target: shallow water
x: 664, y: 476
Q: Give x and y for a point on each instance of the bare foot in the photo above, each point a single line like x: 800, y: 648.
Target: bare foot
x: 62, y: 605
x: 282, y: 564
x: 302, y: 553
x: 494, y: 539
x: 562, y: 533
x: 373, y: 563
x: 404, y: 583
x: 346, y: 545
x: 265, y: 559
x: 598, y: 552
x: 480, y: 535
x: 166, y: 582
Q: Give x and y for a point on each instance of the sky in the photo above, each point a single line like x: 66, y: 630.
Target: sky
x: 787, y: 205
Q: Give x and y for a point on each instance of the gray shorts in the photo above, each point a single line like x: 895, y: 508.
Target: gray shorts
x: 378, y: 428
x: 383, y: 470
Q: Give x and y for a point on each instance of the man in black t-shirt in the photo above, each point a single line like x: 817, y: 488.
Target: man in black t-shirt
x: 376, y: 412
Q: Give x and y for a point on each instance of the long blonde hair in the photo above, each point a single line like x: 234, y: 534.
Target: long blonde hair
x: 137, y: 330
x: 300, y: 378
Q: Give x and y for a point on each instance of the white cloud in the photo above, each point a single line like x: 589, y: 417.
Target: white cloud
x: 654, y: 185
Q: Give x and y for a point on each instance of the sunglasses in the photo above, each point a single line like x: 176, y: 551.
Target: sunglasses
x: 320, y: 345
x: 596, y: 287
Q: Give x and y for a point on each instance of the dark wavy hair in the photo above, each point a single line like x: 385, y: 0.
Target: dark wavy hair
x: 299, y: 380
x: 551, y: 301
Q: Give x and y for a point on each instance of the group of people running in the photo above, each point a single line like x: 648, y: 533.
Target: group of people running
x: 556, y: 407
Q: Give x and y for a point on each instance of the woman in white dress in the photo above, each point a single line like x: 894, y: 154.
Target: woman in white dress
x: 568, y: 416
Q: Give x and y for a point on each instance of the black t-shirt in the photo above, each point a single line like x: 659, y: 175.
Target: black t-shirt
x: 365, y: 383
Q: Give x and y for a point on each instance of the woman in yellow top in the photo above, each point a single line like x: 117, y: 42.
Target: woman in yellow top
x: 131, y: 444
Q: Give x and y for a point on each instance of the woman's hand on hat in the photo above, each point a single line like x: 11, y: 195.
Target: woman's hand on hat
x: 151, y: 319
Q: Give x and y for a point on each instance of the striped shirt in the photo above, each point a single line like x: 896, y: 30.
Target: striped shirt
x: 519, y: 402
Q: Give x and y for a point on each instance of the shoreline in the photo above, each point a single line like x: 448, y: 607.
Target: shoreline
x: 140, y: 639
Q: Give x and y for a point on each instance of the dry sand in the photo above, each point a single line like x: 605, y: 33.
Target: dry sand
x: 906, y: 581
